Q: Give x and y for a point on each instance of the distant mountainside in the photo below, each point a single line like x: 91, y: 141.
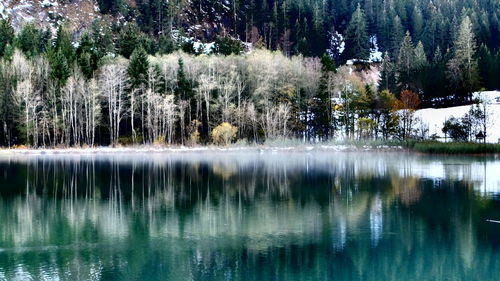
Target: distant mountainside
x: 199, y: 19
x: 308, y: 27
x: 77, y: 14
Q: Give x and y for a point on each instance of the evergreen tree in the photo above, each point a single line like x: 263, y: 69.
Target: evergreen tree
x: 417, y: 21
x: 227, y: 46
x: 59, y: 67
x: 138, y: 68
x: 29, y: 40
x: 130, y: 38
x: 166, y: 44
x: 322, y: 107
x: 434, y: 88
x: 419, y: 56
x: 85, y: 63
x: 421, y: 70
x: 387, y: 76
x: 397, y: 37
x: 184, y: 90
x: 406, y: 62
x: 63, y: 44
x: 489, y: 65
x: 6, y: 35
x: 102, y: 40
x: 357, y: 41
x: 110, y: 6
x: 463, y: 67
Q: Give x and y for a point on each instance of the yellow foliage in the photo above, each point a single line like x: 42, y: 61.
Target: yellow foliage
x: 194, y: 132
x: 224, y: 134
x: 159, y: 141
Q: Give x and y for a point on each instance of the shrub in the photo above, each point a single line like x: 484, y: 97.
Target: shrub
x: 224, y: 134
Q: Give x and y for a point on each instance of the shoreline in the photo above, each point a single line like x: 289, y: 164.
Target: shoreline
x: 184, y: 149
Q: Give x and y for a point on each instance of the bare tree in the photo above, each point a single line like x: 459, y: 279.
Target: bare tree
x: 113, y: 82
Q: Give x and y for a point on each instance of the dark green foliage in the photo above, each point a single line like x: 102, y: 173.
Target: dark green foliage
x: 166, y: 44
x: 184, y: 90
x: 29, y: 40
x: 102, y: 40
x: 406, y: 63
x: 138, y: 68
x: 227, y: 46
x: 63, y: 44
x: 188, y: 47
x: 111, y: 6
x: 6, y: 35
x: 8, y: 110
x: 489, y: 67
x: 456, y: 129
x: 322, y: 103
x: 130, y: 38
x: 356, y: 38
x: 85, y: 63
x: 59, y: 67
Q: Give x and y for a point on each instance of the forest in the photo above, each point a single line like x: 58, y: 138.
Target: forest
x: 145, y: 82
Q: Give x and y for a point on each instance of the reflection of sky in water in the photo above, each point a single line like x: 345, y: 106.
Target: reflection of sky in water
x: 483, y: 175
x: 376, y: 220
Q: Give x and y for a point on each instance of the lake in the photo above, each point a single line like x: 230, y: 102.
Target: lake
x: 249, y: 215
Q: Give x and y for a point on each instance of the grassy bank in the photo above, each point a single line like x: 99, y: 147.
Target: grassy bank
x: 456, y: 148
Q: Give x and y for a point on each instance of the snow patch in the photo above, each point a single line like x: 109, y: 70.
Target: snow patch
x: 375, y: 53
x: 435, y: 118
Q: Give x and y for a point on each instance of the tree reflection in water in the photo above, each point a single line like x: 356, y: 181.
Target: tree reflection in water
x: 248, y: 216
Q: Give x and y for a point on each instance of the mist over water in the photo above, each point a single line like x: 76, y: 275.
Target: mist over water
x: 249, y: 216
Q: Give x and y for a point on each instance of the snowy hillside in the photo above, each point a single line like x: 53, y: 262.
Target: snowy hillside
x: 435, y: 118
x: 77, y: 14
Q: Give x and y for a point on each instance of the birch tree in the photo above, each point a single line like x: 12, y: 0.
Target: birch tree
x: 113, y: 82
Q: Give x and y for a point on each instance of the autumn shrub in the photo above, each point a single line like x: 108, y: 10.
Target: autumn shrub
x: 224, y: 134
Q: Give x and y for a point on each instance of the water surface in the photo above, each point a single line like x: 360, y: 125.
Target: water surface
x: 249, y: 216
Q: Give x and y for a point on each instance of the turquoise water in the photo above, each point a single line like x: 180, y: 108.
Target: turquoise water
x: 249, y: 216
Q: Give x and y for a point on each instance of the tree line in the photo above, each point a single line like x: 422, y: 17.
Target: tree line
x: 345, y: 30
x: 49, y: 99
x: 109, y: 89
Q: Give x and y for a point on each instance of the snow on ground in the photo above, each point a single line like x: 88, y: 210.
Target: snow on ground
x: 181, y: 149
x: 435, y: 118
x: 375, y: 53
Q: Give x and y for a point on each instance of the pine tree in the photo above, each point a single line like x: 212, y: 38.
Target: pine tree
x: 129, y: 39
x: 421, y: 71
x: 110, y: 6
x: 322, y: 106
x: 419, y: 56
x: 63, y: 44
x: 463, y: 67
x: 405, y: 64
x: 387, y: 76
x: 59, y: 68
x: 102, y: 40
x: 166, y: 44
x: 6, y: 35
x: 84, y: 54
x: 138, y: 68
x: 184, y: 90
x: 85, y: 63
x: 357, y: 41
x: 417, y: 23
x: 28, y: 40
x: 396, y: 37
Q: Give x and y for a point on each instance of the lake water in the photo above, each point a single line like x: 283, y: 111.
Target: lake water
x: 249, y: 216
